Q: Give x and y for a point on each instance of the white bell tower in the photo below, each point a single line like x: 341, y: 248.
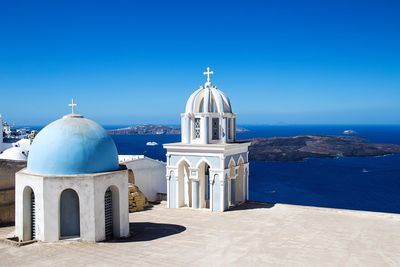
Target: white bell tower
x: 208, y: 169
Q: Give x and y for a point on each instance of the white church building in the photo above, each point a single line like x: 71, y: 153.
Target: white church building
x: 73, y: 186
x: 208, y: 169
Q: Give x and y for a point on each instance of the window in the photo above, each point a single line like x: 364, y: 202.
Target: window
x: 215, y: 129
x: 197, y: 128
x: 229, y: 122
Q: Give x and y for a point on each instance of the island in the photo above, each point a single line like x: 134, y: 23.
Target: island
x: 153, y: 129
x: 298, y: 148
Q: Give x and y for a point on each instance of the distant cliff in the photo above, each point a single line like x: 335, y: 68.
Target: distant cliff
x: 151, y: 129
x: 298, y: 148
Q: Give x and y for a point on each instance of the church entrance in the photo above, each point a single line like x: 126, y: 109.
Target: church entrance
x: 108, y: 214
x: 33, y: 216
x: 69, y: 214
x: 184, y: 185
x: 204, y: 179
x: 29, y: 214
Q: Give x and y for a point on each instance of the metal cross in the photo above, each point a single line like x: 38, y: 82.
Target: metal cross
x: 72, y: 105
x: 208, y: 73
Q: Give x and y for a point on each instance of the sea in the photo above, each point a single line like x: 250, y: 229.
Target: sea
x: 363, y: 183
x: 355, y: 183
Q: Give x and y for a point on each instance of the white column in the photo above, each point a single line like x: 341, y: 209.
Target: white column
x: 168, y: 177
x: 195, y: 194
x: 211, y: 197
x: 204, y: 130
x: 177, y: 192
x: 222, y: 190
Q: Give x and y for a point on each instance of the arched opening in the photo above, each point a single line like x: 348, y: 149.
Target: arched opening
x: 29, y: 214
x: 240, y: 183
x: 111, y: 213
x: 204, y: 180
x: 69, y: 214
x: 184, y: 185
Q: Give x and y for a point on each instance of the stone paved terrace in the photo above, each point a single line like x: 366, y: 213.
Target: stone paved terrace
x: 254, y: 235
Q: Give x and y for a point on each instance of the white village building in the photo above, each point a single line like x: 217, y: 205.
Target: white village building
x: 149, y: 175
x: 208, y: 169
x: 73, y: 186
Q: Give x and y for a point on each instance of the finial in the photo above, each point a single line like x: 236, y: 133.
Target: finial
x: 208, y: 73
x: 72, y: 105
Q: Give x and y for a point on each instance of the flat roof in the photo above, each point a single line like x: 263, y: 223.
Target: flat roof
x: 254, y: 234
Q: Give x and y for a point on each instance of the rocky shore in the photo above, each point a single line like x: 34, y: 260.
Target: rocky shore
x: 298, y: 148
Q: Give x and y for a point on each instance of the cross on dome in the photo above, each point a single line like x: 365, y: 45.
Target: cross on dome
x: 72, y: 105
x: 208, y: 73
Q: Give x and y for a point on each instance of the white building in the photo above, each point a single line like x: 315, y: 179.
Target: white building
x: 73, y: 186
x: 149, y: 174
x: 208, y: 168
x: 15, y: 153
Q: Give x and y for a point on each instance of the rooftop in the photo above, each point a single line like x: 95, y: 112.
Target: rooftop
x: 254, y: 234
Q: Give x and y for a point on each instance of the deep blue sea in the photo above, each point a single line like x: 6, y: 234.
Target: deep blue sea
x: 370, y: 183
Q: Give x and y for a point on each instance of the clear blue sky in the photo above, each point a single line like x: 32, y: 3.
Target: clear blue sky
x: 131, y: 62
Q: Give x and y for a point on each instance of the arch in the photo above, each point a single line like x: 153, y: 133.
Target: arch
x: 69, y: 214
x: 184, y: 194
x: 183, y: 159
x: 201, y: 161
x: 111, y: 212
x: 204, y: 183
x: 240, y: 159
x: 29, y: 217
x: 240, y: 179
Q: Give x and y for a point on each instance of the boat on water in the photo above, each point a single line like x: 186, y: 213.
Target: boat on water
x: 349, y: 132
x: 151, y: 143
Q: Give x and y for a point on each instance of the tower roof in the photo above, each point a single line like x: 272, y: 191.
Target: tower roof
x: 208, y: 99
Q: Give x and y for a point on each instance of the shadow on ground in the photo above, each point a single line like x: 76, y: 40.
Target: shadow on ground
x: 147, y: 231
x: 252, y: 205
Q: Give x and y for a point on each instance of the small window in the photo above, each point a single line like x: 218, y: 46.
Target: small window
x: 215, y: 128
x: 229, y: 122
x: 197, y: 128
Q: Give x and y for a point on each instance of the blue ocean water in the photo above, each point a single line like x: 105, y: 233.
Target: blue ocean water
x: 370, y: 183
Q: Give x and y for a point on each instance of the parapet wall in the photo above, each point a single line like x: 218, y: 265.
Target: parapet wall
x: 8, y: 168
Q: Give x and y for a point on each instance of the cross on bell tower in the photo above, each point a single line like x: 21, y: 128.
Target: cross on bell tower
x: 208, y: 73
x: 72, y: 105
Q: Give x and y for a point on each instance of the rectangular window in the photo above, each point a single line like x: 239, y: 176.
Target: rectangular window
x: 197, y: 128
x: 215, y: 129
x: 229, y: 122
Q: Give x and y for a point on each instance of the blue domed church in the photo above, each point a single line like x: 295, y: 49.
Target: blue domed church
x: 73, y: 186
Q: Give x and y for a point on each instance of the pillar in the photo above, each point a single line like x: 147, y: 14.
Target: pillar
x: 195, y: 194
x: 204, y: 130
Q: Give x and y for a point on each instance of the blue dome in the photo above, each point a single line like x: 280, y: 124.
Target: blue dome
x: 72, y: 145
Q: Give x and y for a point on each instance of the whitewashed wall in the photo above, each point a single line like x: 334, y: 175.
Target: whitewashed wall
x: 149, y: 176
